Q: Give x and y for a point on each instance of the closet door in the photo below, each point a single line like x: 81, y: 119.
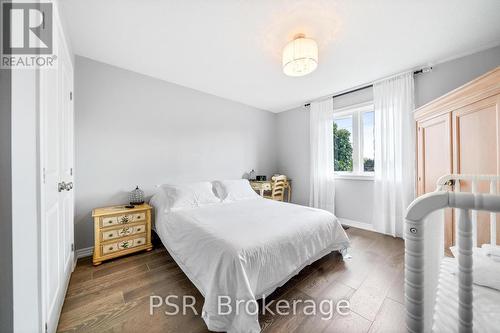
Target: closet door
x: 434, y: 149
x: 56, y: 150
x: 476, y: 133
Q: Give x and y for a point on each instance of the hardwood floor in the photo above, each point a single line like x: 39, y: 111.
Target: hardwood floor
x: 114, y: 297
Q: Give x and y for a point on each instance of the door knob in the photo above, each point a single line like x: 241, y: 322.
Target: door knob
x: 61, y: 186
x: 64, y: 186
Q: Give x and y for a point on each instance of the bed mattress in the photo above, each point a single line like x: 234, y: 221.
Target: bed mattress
x: 245, y: 250
x: 486, y: 303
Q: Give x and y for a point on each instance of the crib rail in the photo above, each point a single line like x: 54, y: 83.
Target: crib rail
x: 414, y: 252
x: 453, y: 181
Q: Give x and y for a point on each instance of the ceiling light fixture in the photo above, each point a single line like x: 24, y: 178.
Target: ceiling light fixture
x: 300, y: 56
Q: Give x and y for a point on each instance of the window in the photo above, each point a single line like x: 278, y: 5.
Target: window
x: 343, y: 145
x: 368, y: 141
x: 354, y: 145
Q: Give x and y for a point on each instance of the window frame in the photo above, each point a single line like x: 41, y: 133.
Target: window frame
x: 356, y: 111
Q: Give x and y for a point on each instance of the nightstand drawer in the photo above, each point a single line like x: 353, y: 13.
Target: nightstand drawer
x: 110, y: 248
x: 125, y: 231
x: 257, y: 186
x: 122, y: 232
x: 109, y: 221
x: 124, y: 219
x: 107, y: 235
x: 139, y: 229
x: 123, y: 245
x: 139, y: 241
x: 139, y: 217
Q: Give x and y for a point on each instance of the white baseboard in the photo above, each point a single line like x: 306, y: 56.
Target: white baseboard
x: 85, y: 252
x: 356, y: 224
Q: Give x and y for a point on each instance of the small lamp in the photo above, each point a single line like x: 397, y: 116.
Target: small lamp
x: 136, y: 197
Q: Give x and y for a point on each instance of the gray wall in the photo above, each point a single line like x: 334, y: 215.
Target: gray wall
x: 354, y: 198
x: 292, y: 137
x: 452, y: 74
x: 133, y: 129
x: 293, y: 160
x: 6, y: 307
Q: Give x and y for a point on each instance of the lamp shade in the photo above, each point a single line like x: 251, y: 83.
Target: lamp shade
x: 300, y: 56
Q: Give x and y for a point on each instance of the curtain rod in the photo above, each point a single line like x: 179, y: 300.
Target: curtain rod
x: 420, y: 71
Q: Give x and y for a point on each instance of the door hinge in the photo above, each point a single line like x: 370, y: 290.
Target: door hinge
x: 72, y: 247
x: 46, y: 328
x: 43, y: 175
x: 71, y: 171
x: 70, y: 95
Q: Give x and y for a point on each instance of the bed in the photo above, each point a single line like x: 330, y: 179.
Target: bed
x: 243, y: 247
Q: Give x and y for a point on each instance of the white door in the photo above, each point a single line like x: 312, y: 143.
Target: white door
x: 56, y: 148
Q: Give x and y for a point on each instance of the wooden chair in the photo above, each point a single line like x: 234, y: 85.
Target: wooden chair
x: 277, y: 188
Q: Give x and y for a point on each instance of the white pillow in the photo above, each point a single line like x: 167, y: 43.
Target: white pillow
x: 159, y: 202
x: 234, y: 190
x: 189, y: 195
x: 485, y: 271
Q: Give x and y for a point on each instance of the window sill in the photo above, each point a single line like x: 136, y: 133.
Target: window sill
x: 354, y: 176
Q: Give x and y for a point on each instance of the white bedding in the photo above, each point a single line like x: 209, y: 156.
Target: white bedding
x: 246, y: 249
x: 486, y: 303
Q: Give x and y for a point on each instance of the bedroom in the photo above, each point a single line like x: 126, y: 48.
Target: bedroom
x: 276, y: 146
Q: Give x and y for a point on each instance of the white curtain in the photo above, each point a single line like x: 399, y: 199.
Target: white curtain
x: 322, y: 186
x: 394, y: 152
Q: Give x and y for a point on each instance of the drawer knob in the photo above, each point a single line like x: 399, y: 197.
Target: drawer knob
x: 111, y: 248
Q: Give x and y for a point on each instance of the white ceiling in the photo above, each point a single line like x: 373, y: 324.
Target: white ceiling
x: 232, y: 48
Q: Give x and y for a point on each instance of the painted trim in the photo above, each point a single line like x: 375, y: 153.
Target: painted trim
x: 85, y: 252
x: 357, y: 224
x: 355, y: 176
x: 26, y: 214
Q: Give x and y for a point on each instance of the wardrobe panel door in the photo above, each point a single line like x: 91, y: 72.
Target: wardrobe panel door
x: 434, y: 149
x: 476, y: 131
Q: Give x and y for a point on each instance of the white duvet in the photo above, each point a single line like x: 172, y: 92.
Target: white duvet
x: 246, y: 249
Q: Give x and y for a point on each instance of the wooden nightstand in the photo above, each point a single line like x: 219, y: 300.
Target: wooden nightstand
x: 119, y: 231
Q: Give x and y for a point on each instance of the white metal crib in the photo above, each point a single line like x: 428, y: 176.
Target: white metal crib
x: 421, y: 261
